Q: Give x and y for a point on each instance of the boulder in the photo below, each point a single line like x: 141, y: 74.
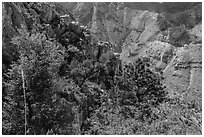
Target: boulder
x: 160, y: 66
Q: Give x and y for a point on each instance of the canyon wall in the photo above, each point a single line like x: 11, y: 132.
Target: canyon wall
x: 170, y: 35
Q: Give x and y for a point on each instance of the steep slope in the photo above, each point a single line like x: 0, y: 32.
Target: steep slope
x: 164, y: 32
x: 122, y: 24
x: 169, y: 34
x: 30, y: 15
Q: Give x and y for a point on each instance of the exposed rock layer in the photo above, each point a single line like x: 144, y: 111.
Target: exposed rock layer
x: 170, y: 36
x: 173, y: 42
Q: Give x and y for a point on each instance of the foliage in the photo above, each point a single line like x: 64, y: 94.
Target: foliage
x: 74, y: 86
x: 172, y: 117
x: 136, y: 94
x: 40, y: 59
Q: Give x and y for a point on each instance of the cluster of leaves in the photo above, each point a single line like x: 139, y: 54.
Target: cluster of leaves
x: 136, y: 94
x: 172, y: 117
x: 40, y: 60
x: 70, y: 89
x: 51, y: 95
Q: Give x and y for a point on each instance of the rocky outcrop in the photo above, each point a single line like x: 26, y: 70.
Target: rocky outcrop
x: 159, y: 53
x: 83, y: 12
x: 195, y: 34
x: 31, y: 16
x: 183, y: 73
x: 170, y: 35
x: 181, y: 66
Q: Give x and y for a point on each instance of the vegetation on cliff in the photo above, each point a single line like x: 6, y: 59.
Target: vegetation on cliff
x: 61, y: 80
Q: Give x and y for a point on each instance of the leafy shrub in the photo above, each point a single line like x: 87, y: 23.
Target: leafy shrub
x: 40, y: 59
x: 70, y: 89
x: 143, y: 83
x: 137, y: 93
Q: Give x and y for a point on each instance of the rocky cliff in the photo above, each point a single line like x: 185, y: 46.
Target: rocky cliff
x: 169, y: 34
x: 126, y: 23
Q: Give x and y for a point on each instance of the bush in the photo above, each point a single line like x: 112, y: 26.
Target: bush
x: 137, y: 93
x: 70, y: 89
x: 39, y: 60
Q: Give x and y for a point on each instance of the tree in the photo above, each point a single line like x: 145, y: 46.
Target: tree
x: 137, y: 92
x: 40, y: 60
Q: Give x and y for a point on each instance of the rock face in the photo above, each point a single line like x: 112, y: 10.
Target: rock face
x: 16, y: 15
x: 181, y: 66
x: 118, y: 24
x: 184, y: 73
x: 170, y: 35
